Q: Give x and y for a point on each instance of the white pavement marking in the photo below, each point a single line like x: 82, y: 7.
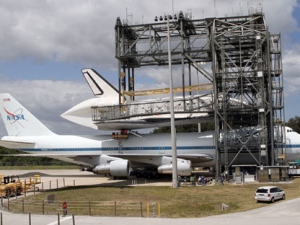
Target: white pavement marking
x: 62, y: 220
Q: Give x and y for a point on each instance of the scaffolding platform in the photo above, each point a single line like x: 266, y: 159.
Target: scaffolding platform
x: 237, y: 55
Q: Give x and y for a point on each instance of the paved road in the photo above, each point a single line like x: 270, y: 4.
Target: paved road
x: 52, y: 179
x: 283, y: 212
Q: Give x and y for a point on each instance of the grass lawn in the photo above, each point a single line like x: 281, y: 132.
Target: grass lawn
x: 188, y: 201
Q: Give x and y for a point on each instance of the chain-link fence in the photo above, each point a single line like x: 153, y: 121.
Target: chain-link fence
x: 91, y: 208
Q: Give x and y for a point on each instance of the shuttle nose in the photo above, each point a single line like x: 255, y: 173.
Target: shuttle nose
x: 80, y: 114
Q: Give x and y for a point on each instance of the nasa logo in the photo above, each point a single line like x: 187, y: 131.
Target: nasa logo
x: 16, y: 116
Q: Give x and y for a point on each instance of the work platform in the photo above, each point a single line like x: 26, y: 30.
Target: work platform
x: 154, y: 113
x: 159, y: 108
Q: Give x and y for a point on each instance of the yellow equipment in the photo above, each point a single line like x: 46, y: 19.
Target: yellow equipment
x: 27, y: 184
x: 12, y: 185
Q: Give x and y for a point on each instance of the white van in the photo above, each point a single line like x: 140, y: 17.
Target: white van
x: 269, y: 194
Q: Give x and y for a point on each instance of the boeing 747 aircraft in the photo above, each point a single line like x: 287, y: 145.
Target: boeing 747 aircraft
x: 104, y: 154
x: 116, y: 154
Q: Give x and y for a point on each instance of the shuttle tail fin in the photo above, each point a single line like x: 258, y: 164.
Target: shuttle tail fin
x: 18, y: 120
x: 98, y: 84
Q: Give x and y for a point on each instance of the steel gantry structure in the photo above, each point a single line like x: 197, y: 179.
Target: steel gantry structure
x: 237, y: 56
x: 246, y: 65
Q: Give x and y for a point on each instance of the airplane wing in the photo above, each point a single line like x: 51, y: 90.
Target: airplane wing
x: 197, y: 158
x: 194, y: 158
x: 16, y: 144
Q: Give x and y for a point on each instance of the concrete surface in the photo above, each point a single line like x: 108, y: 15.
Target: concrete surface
x: 283, y: 212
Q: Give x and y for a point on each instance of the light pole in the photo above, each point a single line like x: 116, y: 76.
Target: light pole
x: 199, y: 124
x: 173, y: 130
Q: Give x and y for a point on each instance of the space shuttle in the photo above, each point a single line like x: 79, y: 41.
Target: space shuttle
x: 103, y: 112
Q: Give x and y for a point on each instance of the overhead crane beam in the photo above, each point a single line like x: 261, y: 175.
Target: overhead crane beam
x: 200, y: 87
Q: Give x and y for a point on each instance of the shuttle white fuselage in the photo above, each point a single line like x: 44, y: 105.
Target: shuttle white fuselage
x: 105, y: 113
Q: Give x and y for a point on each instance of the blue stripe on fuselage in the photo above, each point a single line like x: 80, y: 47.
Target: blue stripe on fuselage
x: 118, y: 149
x: 157, y: 148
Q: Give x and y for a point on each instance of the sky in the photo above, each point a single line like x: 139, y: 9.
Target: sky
x: 46, y: 43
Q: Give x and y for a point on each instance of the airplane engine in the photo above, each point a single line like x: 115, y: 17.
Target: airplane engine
x: 116, y: 168
x: 183, y: 168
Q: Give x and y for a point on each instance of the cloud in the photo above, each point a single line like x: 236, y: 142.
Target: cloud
x: 46, y: 30
x: 47, y: 99
x: 291, y: 62
x: 81, y: 32
x: 275, y: 11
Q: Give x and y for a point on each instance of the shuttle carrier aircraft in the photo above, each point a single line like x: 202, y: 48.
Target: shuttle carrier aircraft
x: 115, y: 154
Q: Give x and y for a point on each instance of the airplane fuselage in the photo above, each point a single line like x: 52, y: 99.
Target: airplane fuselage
x: 70, y: 147
x: 140, y: 150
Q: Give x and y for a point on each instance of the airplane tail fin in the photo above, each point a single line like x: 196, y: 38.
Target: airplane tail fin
x: 98, y: 84
x: 18, y: 120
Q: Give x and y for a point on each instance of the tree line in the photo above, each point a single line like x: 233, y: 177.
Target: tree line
x: 294, y: 123
x: 6, y: 159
